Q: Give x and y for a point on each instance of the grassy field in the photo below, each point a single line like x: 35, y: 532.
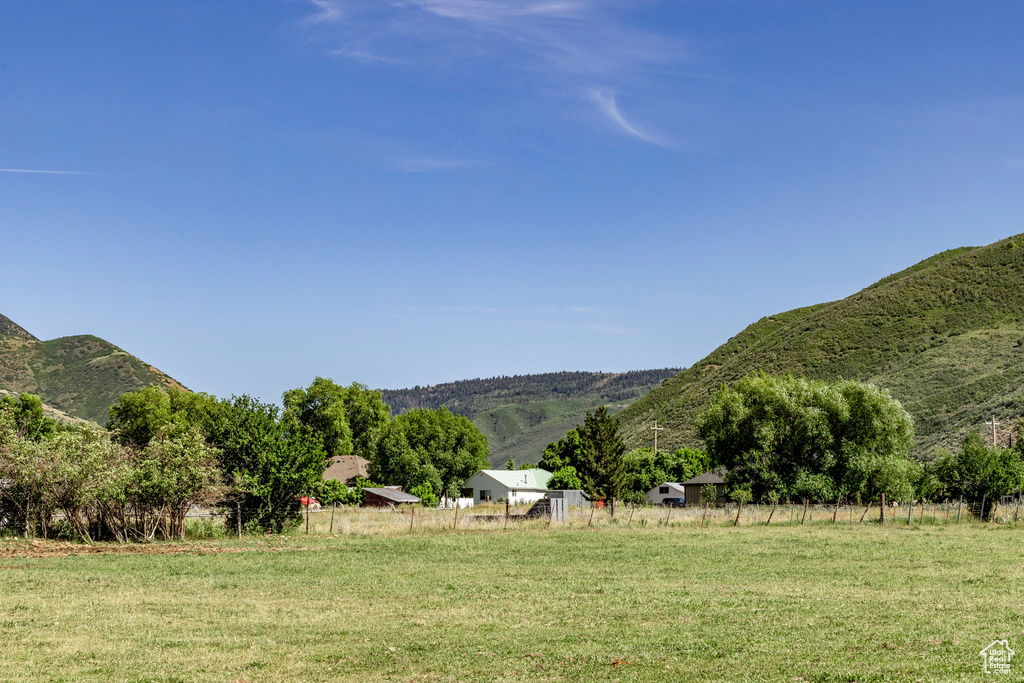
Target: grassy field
x: 651, y: 601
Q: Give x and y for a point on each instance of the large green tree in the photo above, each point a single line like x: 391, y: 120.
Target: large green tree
x: 607, y: 477
x: 567, y: 451
x: 269, y: 466
x: 436, y: 447
x: 349, y: 420
x: 140, y: 415
x: 802, y: 438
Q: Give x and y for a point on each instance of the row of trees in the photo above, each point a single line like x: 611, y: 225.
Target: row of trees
x: 269, y: 457
x: 790, y: 438
x: 166, y: 448
x: 62, y: 478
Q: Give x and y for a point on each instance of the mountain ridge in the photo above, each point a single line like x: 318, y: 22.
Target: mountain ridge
x: 943, y: 335
x: 80, y: 376
x: 522, y: 414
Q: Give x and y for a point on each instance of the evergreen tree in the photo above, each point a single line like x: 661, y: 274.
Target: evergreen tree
x: 606, y: 474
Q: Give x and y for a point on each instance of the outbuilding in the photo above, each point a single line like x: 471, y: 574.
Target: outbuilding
x: 513, y: 486
x: 574, y: 498
x: 692, y: 487
x: 388, y: 496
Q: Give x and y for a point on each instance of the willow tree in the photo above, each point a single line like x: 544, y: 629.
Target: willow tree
x: 803, y: 438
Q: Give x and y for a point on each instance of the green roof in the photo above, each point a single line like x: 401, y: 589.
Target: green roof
x: 535, y: 478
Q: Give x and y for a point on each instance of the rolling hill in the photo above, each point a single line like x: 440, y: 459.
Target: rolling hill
x: 521, y: 415
x: 945, y: 336
x: 78, y: 376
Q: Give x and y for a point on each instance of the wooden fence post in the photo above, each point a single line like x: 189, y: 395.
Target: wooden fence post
x: 456, y: 524
x: 238, y: 511
x: 959, y: 505
x: 771, y: 513
x: 669, y: 515
x: 411, y: 519
x: 307, y: 514
x: 506, y: 514
x: 739, y: 509
x: 865, y: 513
x: 835, y: 512
x: 910, y: 511
x: 804, y: 516
x: 334, y: 506
x: 592, y: 508
x: 881, y: 506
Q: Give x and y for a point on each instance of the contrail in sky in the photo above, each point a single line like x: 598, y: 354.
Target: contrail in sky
x: 34, y: 170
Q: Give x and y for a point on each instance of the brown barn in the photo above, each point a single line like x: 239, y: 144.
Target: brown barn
x: 347, y: 468
x: 693, y: 486
x: 387, y: 497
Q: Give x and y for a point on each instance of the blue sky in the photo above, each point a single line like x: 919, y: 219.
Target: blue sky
x: 251, y: 194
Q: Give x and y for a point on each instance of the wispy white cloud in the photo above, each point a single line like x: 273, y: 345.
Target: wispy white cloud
x: 365, y: 57
x: 568, y: 50
x: 36, y: 170
x: 425, y: 165
x: 326, y: 11
x: 608, y: 103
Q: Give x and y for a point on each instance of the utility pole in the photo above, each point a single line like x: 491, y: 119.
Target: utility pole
x: 656, y: 429
x: 994, y: 424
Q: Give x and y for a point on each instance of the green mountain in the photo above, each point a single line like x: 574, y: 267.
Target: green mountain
x: 79, y: 376
x: 945, y: 336
x: 521, y: 415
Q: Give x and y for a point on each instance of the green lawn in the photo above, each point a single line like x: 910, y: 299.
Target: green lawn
x: 811, y: 603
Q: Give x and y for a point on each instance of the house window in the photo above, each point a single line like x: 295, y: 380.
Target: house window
x: 484, y: 495
x: 663, y: 489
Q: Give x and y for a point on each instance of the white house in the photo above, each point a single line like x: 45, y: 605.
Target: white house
x: 514, y: 486
x: 669, y: 489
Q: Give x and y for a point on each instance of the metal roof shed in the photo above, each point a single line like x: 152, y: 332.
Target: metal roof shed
x: 387, y: 496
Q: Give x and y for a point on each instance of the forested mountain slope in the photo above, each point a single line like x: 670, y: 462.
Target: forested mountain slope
x: 522, y: 414
x: 945, y: 336
x: 81, y: 376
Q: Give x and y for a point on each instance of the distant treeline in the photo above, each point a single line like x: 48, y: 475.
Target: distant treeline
x: 472, y: 396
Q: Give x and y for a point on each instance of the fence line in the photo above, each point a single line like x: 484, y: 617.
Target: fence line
x: 499, y: 517
x: 347, y: 520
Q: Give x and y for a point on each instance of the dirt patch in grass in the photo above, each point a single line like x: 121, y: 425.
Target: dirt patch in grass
x: 38, y: 549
